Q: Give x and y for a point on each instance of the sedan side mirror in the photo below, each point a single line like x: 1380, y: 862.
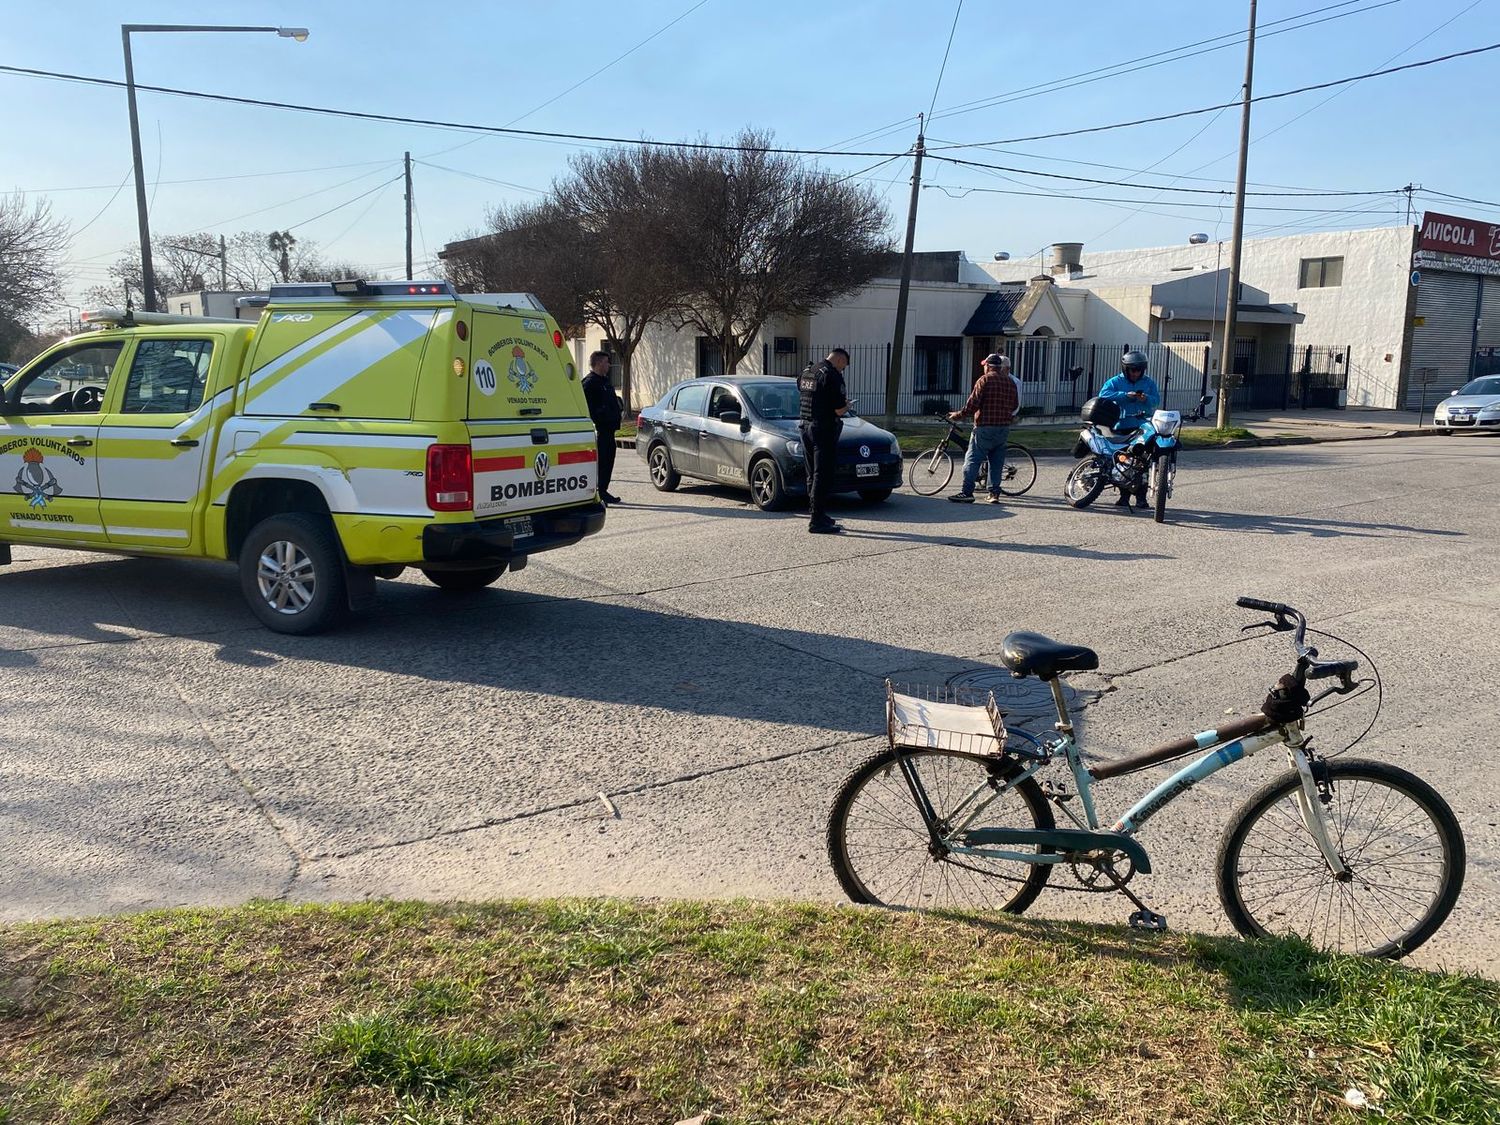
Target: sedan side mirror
x: 733, y: 417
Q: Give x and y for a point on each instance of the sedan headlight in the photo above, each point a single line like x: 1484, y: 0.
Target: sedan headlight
x: 896, y: 447
x: 794, y: 447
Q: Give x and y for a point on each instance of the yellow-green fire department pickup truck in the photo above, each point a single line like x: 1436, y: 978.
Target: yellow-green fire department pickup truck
x: 352, y: 430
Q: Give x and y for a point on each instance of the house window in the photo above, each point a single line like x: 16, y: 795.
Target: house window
x: 185, y: 308
x: 936, y: 363
x: 786, y: 345
x: 1321, y: 273
x: 710, y: 358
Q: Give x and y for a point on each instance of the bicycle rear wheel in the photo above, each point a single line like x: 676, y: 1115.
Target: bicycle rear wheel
x: 882, y: 851
x: 1397, y: 836
x: 930, y: 472
x: 1020, y: 470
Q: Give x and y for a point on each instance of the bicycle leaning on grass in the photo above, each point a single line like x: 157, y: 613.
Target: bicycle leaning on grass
x: 1353, y: 855
x: 931, y: 470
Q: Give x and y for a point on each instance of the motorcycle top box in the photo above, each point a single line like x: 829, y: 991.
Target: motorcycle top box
x: 1101, y: 412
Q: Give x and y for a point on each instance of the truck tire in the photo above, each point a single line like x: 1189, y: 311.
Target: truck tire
x: 463, y: 581
x: 292, y: 574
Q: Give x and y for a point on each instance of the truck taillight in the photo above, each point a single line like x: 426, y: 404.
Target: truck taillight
x: 450, y: 478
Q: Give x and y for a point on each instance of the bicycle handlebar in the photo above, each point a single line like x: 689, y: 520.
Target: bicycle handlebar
x: 1309, y: 667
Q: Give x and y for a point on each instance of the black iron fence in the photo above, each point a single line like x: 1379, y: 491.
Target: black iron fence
x: 1308, y: 376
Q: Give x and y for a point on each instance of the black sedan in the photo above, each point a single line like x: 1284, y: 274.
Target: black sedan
x: 742, y: 430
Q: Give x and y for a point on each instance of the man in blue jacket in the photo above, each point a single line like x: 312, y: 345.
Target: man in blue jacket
x: 1138, y: 398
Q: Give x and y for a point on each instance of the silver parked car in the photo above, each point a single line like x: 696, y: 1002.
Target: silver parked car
x: 1473, y: 406
x: 742, y: 431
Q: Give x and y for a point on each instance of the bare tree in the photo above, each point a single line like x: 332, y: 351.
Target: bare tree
x: 755, y: 235
x: 252, y: 261
x: 535, y: 248
x: 31, y: 245
x: 623, y: 216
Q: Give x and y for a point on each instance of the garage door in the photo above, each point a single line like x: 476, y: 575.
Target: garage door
x: 1442, y: 348
x: 1487, y: 346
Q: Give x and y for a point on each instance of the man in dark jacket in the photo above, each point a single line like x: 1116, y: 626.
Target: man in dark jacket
x: 823, y: 407
x: 605, y: 411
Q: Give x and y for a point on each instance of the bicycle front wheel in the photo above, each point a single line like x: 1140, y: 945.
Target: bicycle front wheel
x: 1020, y: 471
x: 930, y: 472
x: 884, y: 855
x: 1396, y: 835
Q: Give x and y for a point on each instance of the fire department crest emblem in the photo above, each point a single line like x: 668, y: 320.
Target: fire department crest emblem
x: 521, y: 373
x: 35, y: 481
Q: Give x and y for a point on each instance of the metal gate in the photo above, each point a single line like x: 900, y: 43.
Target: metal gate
x: 1442, y: 345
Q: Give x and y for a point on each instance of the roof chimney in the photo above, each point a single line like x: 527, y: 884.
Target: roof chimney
x: 1067, y: 258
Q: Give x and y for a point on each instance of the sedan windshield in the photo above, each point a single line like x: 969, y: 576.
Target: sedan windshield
x: 1486, y: 386
x: 775, y: 402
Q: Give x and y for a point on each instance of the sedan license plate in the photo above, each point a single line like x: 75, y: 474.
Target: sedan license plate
x: 867, y: 470
x: 520, y: 527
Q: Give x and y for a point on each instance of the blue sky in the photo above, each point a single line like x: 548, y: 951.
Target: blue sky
x: 817, y: 75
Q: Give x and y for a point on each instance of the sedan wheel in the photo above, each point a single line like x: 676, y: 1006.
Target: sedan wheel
x: 766, y: 487
x: 659, y: 464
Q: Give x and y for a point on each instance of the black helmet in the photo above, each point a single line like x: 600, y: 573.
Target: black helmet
x: 1101, y: 411
x: 1133, y: 359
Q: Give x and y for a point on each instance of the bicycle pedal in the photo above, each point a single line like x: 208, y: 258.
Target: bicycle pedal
x: 1148, y: 920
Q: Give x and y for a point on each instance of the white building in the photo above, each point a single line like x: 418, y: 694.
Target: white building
x: 214, y: 302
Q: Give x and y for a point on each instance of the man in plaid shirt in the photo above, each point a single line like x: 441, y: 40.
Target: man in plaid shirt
x: 992, y: 404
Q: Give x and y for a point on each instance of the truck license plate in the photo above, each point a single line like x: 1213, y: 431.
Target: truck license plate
x: 520, y: 527
x: 867, y: 470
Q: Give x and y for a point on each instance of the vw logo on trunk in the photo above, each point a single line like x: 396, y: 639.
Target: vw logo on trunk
x: 864, y: 451
x: 540, y: 465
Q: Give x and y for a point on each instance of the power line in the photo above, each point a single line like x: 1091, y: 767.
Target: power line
x: 583, y: 81
x: 434, y: 123
x: 1215, y: 108
x: 1459, y: 198
x: 1104, y: 72
x: 199, y: 179
x: 1117, y: 70
x: 1149, y: 187
x: 299, y: 198
x: 341, y: 206
x: 965, y: 190
x: 477, y: 176
x: 957, y: 11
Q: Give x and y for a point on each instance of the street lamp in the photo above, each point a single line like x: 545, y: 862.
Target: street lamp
x: 1213, y: 327
x: 148, y: 274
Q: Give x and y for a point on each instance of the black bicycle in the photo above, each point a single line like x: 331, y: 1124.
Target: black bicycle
x: 931, y: 470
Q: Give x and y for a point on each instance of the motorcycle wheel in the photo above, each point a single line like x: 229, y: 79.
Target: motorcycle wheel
x: 1162, y: 471
x: 1085, y: 482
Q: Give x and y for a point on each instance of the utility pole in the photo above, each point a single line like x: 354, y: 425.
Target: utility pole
x: 148, y: 271
x: 223, y: 265
x: 408, y: 216
x: 1232, y: 298
x: 893, y: 373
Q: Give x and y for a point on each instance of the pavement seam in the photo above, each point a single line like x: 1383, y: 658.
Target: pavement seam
x: 583, y: 802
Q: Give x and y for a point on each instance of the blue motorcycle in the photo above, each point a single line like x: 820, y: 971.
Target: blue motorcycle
x: 1141, y: 461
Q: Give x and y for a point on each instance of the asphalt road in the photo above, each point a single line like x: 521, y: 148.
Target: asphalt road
x: 716, y: 671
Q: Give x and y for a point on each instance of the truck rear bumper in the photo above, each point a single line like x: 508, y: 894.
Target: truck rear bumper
x: 463, y: 545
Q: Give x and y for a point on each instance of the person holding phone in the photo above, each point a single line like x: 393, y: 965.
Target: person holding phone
x: 1138, y: 398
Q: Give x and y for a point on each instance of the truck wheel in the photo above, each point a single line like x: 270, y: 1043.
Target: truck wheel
x: 292, y: 574
x: 464, y: 581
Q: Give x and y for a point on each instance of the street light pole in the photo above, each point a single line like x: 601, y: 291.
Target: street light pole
x: 1232, y: 297
x: 903, y: 291
x: 148, y: 271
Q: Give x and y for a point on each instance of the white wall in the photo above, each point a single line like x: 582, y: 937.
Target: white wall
x: 1367, y: 312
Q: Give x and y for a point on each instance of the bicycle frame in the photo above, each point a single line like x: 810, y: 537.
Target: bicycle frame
x: 1220, y: 754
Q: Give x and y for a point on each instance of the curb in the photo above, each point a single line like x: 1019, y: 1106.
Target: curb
x: 1237, y: 443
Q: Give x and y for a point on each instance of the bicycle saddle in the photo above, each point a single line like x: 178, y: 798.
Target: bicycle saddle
x: 1031, y: 654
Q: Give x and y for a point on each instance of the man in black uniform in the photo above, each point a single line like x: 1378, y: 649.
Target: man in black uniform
x: 823, y: 405
x: 604, y: 410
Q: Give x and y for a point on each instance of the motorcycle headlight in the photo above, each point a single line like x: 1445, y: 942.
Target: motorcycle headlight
x: 794, y: 447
